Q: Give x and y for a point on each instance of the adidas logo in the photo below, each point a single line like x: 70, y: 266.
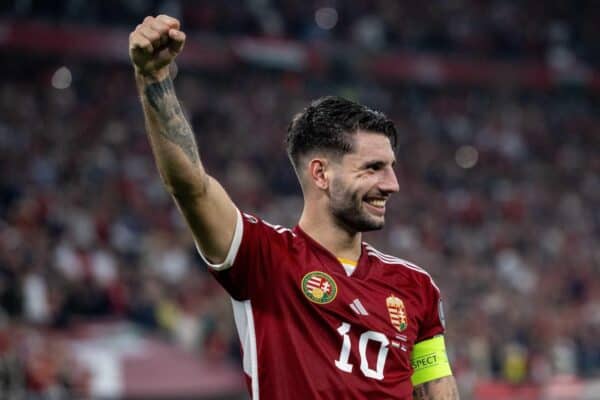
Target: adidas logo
x: 358, y: 308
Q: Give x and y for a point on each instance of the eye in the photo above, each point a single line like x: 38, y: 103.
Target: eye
x: 374, y: 166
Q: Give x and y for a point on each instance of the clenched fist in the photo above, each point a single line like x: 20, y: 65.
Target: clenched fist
x: 154, y: 44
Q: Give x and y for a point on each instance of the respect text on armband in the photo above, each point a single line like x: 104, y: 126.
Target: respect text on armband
x: 425, y: 361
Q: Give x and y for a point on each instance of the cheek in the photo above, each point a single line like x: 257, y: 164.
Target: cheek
x: 353, y: 189
x: 345, y: 195
x: 365, y: 183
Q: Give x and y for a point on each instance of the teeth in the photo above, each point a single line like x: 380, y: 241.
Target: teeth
x: 376, y: 203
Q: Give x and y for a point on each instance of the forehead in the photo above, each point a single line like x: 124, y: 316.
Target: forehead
x: 371, y: 145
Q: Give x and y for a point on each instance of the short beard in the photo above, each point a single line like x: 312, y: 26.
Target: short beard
x: 348, y: 212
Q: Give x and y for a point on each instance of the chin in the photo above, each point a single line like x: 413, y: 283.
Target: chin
x: 358, y: 220
x: 373, y: 227
x: 369, y: 223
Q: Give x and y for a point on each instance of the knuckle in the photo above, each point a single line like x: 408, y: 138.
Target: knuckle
x: 168, y: 19
x: 150, y: 34
x: 159, y: 26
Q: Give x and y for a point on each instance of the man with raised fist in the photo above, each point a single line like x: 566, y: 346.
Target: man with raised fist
x: 320, y: 313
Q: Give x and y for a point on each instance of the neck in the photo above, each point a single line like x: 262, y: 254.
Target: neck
x: 339, y: 241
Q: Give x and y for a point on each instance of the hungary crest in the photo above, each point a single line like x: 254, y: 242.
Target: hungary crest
x: 319, y: 287
x: 397, y: 312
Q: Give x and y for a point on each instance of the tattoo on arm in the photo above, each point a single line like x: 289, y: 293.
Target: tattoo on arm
x: 420, y: 393
x: 173, y: 125
x: 439, y: 389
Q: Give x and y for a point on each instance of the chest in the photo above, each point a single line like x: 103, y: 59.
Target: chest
x: 383, y: 302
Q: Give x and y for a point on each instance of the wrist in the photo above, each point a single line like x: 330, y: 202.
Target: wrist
x: 152, y: 76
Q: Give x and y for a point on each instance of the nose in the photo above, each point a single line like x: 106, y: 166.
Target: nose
x: 389, y: 181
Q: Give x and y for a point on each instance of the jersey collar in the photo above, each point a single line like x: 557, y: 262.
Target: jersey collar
x: 361, y: 270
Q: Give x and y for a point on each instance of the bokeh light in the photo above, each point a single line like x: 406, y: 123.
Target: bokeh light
x: 62, y: 78
x: 466, y: 156
x: 326, y: 18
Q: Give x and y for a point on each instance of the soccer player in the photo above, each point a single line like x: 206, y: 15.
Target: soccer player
x: 320, y: 314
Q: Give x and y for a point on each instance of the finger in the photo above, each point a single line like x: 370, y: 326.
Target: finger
x: 177, y: 35
x: 170, y: 21
x: 177, y: 40
x: 162, y: 29
x: 159, y: 26
x: 140, y: 42
x: 150, y: 34
x: 148, y: 19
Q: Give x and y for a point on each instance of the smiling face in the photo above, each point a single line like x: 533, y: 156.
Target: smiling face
x: 361, y: 183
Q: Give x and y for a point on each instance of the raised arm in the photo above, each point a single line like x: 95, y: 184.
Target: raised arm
x: 207, y: 208
x: 437, y: 389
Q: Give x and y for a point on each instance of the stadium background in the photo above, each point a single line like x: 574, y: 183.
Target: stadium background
x: 101, y: 292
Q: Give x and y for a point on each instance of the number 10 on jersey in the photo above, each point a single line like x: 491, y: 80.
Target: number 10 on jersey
x: 342, y: 361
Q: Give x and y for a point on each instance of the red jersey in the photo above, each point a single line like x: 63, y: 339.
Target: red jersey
x: 310, y: 331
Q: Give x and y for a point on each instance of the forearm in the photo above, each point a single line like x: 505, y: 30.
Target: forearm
x: 171, y: 137
x: 439, y: 389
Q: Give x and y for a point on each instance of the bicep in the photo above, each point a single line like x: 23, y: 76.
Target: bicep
x: 212, y: 218
x: 438, y: 389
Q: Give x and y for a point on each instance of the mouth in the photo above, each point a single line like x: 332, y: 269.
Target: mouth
x: 376, y: 205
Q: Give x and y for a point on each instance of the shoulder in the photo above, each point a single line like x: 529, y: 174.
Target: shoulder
x: 259, y: 228
x: 407, y: 267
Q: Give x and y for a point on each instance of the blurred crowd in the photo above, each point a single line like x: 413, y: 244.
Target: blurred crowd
x: 557, y: 31
x: 499, y: 200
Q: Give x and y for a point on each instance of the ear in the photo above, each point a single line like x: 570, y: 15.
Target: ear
x: 318, y: 171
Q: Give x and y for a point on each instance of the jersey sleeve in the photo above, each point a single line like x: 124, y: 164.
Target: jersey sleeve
x: 248, y: 266
x: 433, y: 314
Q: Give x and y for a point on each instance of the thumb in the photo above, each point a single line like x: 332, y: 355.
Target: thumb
x: 177, y: 41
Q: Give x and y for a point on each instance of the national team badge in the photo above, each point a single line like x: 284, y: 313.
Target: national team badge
x: 397, y: 312
x: 319, y: 287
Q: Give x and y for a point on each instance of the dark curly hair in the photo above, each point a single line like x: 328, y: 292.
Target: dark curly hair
x: 328, y: 124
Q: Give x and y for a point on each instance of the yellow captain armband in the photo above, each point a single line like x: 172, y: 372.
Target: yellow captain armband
x: 429, y: 360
